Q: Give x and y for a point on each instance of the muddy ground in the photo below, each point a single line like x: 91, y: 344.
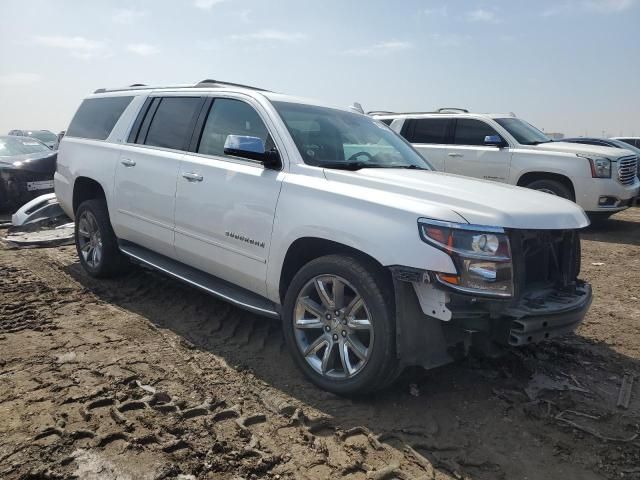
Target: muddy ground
x: 144, y: 378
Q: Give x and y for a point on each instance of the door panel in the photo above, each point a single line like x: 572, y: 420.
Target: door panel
x: 225, y: 206
x: 469, y: 156
x: 145, y: 187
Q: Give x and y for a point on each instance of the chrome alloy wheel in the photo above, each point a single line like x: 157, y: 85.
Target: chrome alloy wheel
x: 89, y: 239
x: 547, y: 190
x: 332, y: 327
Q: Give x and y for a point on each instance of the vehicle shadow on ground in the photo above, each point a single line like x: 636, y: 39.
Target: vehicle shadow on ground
x: 479, y: 418
x: 616, y: 230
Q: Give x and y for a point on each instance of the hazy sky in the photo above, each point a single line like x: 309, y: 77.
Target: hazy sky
x: 571, y: 66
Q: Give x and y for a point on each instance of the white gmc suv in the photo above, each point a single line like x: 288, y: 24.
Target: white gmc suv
x: 324, y: 218
x: 506, y: 149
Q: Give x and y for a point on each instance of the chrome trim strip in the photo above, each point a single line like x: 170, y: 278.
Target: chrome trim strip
x: 246, y: 306
x: 232, y: 249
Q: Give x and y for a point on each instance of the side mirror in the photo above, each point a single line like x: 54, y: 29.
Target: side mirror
x: 494, y: 141
x: 251, y: 148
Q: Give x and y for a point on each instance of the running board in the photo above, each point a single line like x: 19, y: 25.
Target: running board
x: 217, y: 287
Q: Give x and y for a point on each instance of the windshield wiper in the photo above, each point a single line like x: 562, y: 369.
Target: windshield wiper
x: 539, y: 142
x: 352, y: 166
x: 408, y: 167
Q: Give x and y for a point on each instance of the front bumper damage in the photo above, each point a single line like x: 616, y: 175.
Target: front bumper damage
x: 19, y: 186
x: 486, y: 326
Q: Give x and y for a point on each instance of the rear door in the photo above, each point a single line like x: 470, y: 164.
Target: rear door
x: 430, y: 137
x: 145, y: 181
x: 468, y: 155
x: 225, y: 205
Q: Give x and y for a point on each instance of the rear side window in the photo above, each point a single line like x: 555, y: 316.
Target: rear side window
x: 231, y: 117
x: 96, y: 117
x: 386, y: 121
x: 428, y: 130
x: 471, y: 132
x: 172, y: 122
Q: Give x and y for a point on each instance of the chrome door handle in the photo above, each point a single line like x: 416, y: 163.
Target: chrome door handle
x: 127, y: 162
x: 192, y: 177
x: 452, y: 154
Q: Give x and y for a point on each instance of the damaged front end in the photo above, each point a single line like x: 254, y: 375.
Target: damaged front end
x: 441, y: 318
x: 25, y: 179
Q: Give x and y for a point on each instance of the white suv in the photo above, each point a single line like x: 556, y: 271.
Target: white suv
x: 324, y: 218
x: 506, y: 149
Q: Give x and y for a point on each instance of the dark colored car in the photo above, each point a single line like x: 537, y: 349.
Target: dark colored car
x: 27, y: 167
x: 47, y: 137
x: 634, y: 141
x: 604, y: 142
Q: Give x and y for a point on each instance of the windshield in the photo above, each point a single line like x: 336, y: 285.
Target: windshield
x: 333, y: 138
x: 43, y: 135
x: 523, y: 132
x: 11, y: 146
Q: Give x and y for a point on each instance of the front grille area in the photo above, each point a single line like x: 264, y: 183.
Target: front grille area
x: 545, y: 259
x: 627, y: 170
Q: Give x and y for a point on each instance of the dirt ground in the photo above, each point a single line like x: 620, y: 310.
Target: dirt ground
x: 145, y: 378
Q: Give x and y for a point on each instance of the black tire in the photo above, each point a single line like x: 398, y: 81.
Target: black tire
x: 381, y: 368
x: 112, y: 262
x: 553, y: 187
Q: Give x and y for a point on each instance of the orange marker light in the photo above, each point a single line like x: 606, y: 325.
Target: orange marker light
x: 452, y: 279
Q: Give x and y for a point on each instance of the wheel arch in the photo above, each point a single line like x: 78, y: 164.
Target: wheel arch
x: 529, y: 177
x: 305, y: 249
x: 86, y: 188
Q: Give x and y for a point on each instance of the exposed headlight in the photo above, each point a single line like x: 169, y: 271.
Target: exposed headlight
x: 482, y: 256
x: 600, y: 166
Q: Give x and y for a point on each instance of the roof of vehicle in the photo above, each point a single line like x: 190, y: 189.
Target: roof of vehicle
x: 210, y: 85
x: 442, y: 112
x: 625, y: 138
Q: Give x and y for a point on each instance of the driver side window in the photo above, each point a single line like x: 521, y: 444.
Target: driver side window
x: 471, y: 132
x: 231, y: 117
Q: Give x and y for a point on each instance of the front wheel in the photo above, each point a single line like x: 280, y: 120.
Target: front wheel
x: 552, y: 187
x: 338, y: 324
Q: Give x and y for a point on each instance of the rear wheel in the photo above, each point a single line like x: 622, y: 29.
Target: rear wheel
x: 96, y: 242
x: 553, y: 187
x: 338, y: 324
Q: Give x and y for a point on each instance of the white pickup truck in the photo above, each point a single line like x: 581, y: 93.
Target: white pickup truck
x: 506, y: 149
x: 323, y: 218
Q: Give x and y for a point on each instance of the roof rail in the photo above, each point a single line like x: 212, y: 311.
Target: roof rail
x: 451, y: 109
x: 380, y: 112
x: 440, y: 110
x: 217, y: 83
x: 204, y: 83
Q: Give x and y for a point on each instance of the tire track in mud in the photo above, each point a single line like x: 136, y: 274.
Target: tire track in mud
x: 27, y: 303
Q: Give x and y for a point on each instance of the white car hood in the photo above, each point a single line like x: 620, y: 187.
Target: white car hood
x: 479, y: 202
x: 567, y: 147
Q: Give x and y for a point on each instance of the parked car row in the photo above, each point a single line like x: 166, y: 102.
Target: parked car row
x: 599, y: 175
x: 328, y: 220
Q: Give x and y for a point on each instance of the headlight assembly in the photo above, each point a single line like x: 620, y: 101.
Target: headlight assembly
x: 482, y: 256
x: 600, y: 166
